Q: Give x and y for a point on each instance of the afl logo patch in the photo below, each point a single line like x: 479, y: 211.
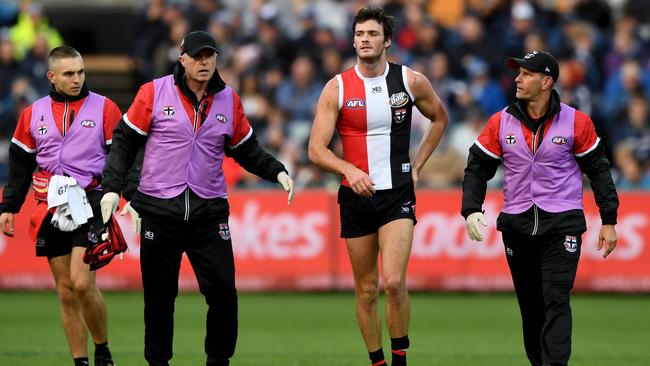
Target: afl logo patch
x: 355, y: 103
x: 221, y: 118
x: 559, y: 140
x: 398, y: 100
x: 88, y: 123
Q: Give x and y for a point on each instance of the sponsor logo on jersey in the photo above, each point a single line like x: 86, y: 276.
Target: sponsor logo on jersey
x: 398, y: 100
x: 559, y: 140
x: 221, y: 118
x: 511, y: 139
x: 376, y: 89
x: 148, y: 234
x: 406, y: 167
x: 88, y: 123
x: 355, y: 103
x: 168, y: 110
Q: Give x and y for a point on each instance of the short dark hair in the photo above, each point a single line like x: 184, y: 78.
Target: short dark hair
x: 377, y: 14
x: 61, y: 52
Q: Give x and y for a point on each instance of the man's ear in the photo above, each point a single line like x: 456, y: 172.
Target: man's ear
x: 548, y: 83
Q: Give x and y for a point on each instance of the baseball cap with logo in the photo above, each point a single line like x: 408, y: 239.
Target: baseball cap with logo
x: 537, y: 61
x: 196, y: 41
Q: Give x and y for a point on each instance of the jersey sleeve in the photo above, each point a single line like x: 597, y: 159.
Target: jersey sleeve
x: 242, y: 129
x: 112, y: 115
x: 23, y: 135
x: 585, y: 138
x: 138, y: 117
x: 488, y: 140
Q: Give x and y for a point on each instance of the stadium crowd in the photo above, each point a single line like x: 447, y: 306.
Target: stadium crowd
x: 279, y: 54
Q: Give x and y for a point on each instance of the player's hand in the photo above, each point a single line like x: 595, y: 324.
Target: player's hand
x: 287, y: 183
x: 607, y: 239
x: 108, y: 205
x: 360, y: 182
x: 135, y: 217
x: 7, y: 222
x: 473, y: 223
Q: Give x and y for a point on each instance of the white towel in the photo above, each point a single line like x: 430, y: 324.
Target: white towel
x: 57, y: 193
x: 72, y: 206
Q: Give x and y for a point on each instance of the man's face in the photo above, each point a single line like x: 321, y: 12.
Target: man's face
x: 530, y: 84
x: 201, y: 67
x: 369, y: 39
x: 67, y: 75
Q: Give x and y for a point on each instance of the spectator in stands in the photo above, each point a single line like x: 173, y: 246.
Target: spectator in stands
x: 485, y: 91
x: 35, y: 65
x: 166, y: 53
x: 632, y: 146
x: 31, y: 24
x: 629, y: 79
x: 298, y: 95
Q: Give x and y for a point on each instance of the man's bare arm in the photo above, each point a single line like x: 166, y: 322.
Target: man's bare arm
x: 429, y: 104
x: 327, y: 112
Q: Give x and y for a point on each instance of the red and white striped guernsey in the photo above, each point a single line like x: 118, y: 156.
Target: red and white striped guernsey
x: 375, y: 124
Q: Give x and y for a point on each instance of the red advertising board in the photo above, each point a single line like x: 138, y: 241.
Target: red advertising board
x: 280, y: 247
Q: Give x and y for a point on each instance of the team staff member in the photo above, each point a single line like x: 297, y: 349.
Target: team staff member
x: 187, y: 122
x: 370, y: 105
x: 545, y: 147
x: 66, y: 133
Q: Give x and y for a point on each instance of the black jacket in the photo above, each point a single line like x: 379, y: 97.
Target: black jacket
x: 481, y: 167
x: 127, y: 143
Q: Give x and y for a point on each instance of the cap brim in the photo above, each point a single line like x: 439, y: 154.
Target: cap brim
x: 194, y: 52
x: 515, y: 63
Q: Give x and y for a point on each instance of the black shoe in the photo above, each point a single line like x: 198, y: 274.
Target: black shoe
x: 104, y: 361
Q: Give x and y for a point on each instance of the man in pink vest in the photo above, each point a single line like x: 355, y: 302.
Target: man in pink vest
x: 67, y: 133
x: 187, y: 122
x: 545, y: 146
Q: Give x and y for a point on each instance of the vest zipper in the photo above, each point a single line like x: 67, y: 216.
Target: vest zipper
x: 535, y: 214
x: 196, y: 117
x: 187, y: 204
x: 535, y: 227
x: 65, y: 117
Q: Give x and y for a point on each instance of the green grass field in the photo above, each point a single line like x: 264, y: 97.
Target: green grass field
x: 319, y: 329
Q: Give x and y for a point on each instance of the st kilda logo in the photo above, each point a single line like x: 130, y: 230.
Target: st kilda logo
x: 168, y: 110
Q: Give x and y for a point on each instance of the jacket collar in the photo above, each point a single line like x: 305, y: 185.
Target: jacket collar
x: 215, y: 85
x: 60, y: 97
x: 518, y: 110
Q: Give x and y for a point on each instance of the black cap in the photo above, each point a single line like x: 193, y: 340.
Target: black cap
x: 196, y: 41
x: 537, y: 61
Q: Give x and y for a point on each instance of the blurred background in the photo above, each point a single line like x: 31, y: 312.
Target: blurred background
x: 278, y: 54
